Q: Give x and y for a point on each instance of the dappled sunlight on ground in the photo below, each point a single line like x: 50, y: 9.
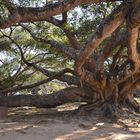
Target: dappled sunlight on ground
x: 50, y: 124
x: 60, y: 130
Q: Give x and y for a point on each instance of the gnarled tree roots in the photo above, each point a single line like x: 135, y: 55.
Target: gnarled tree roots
x: 110, y: 109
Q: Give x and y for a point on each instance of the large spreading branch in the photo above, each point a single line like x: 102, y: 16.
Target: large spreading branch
x: 31, y: 14
x: 104, y: 30
x: 133, y: 33
x: 29, y: 86
x: 132, y: 46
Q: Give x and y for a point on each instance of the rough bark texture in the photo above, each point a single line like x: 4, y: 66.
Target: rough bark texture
x: 104, y: 31
x: 30, y: 14
x: 68, y: 95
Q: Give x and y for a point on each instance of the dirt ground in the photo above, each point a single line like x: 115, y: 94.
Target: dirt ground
x: 62, y: 124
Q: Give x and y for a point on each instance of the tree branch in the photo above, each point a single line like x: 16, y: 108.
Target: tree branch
x: 113, y: 42
x: 59, y: 47
x: 133, y: 24
x: 105, y: 29
x: 134, y: 16
x: 31, y: 14
x: 132, y: 46
x: 70, y: 35
x: 71, y: 80
x: 18, y: 88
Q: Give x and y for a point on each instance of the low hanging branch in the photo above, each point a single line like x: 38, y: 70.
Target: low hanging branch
x: 17, y: 88
x: 71, y: 80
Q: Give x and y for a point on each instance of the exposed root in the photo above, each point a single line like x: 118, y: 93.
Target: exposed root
x: 104, y: 110
x: 109, y: 110
x: 132, y: 105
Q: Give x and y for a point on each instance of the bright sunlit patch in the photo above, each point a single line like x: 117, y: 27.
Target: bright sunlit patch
x: 14, y: 128
x: 99, y: 124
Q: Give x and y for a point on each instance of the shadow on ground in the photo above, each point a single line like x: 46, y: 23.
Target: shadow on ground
x: 63, y: 124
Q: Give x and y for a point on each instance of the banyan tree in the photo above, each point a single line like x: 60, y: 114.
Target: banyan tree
x: 106, y: 69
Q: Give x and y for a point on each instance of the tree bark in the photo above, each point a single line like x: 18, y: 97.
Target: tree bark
x: 105, y: 30
x: 67, y: 95
x: 31, y: 14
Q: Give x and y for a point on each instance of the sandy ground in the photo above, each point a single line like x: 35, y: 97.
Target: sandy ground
x: 33, y: 124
